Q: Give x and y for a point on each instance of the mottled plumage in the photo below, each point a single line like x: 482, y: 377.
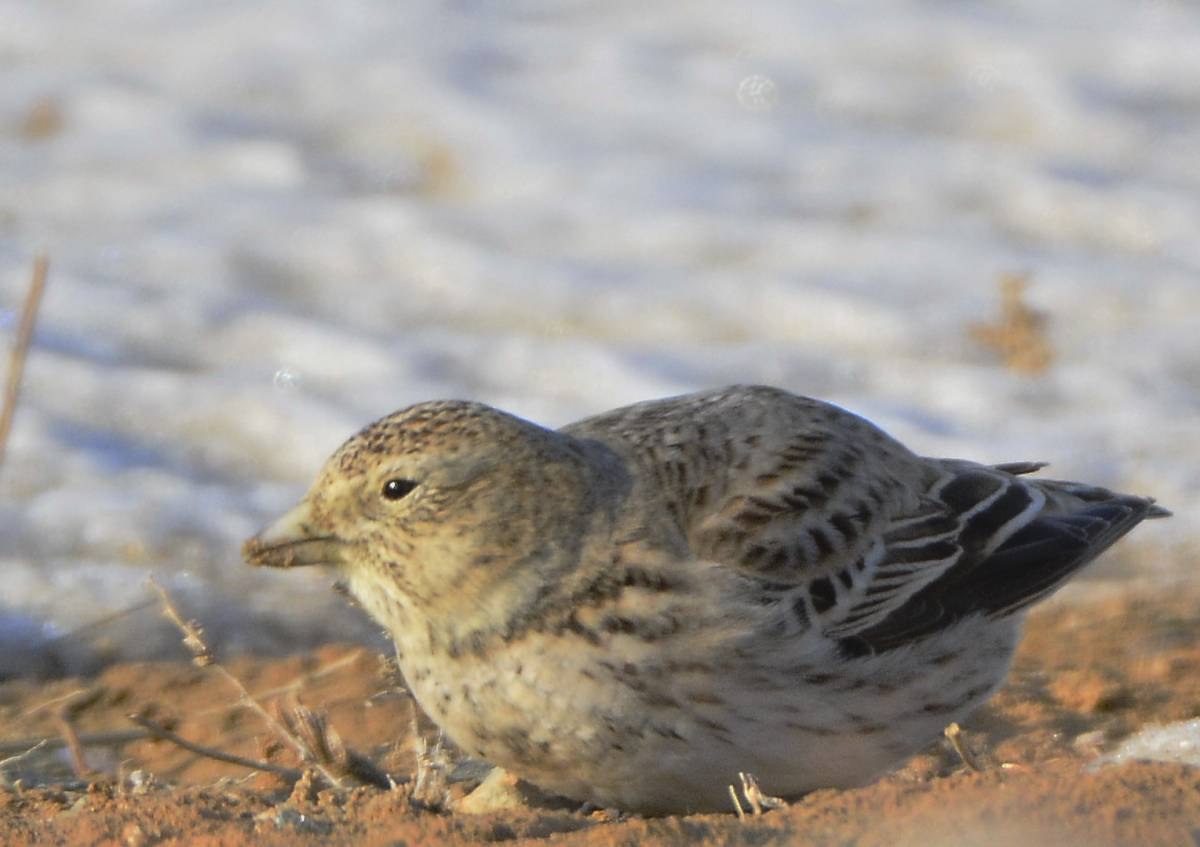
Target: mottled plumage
x: 634, y: 608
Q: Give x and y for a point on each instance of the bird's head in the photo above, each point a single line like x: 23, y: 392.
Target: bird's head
x: 437, y: 503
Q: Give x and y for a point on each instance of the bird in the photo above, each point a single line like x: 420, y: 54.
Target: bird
x: 633, y: 609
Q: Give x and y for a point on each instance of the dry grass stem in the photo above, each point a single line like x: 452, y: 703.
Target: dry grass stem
x: 103, y: 621
x: 754, y: 795
x: 193, y: 636
x: 737, y: 804
x: 431, y: 778
x: 954, y: 735
x: 299, y: 682
x: 392, y: 680
x: 155, y: 730
x: 193, y: 639
x: 97, y: 739
x: 328, y: 748
x: 54, y: 702
x: 20, y: 348
x: 756, y: 800
x: 20, y: 757
x: 80, y: 700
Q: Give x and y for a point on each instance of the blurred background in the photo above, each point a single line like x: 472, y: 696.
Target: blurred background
x: 269, y: 223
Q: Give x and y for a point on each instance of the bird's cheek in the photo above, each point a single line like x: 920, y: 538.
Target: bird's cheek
x: 367, y: 508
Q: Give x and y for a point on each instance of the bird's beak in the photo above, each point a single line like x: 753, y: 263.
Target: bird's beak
x: 294, y: 540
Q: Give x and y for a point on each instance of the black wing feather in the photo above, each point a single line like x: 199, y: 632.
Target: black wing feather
x: 1031, y: 563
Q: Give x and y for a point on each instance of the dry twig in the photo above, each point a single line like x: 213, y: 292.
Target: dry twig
x: 65, y: 712
x: 193, y: 639
x: 71, y: 738
x: 24, y: 337
x: 159, y: 731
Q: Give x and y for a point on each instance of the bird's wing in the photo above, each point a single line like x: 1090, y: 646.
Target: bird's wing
x: 878, y: 548
x: 807, y: 504
x: 983, y: 542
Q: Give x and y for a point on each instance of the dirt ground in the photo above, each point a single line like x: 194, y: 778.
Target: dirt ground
x: 1087, y: 676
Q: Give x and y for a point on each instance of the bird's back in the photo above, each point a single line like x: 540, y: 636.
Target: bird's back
x: 867, y: 541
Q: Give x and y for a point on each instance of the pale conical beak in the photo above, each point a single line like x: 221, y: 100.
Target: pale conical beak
x: 292, y: 541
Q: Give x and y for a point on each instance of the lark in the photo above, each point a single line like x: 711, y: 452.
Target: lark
x: 635, y: 608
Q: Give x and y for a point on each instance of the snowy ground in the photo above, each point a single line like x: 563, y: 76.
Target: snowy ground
x: 272, y: 222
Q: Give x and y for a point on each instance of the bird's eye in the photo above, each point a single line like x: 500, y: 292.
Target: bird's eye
x: 397, y: 489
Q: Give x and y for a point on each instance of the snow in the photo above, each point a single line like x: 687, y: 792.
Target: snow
x: 1177, y: 742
